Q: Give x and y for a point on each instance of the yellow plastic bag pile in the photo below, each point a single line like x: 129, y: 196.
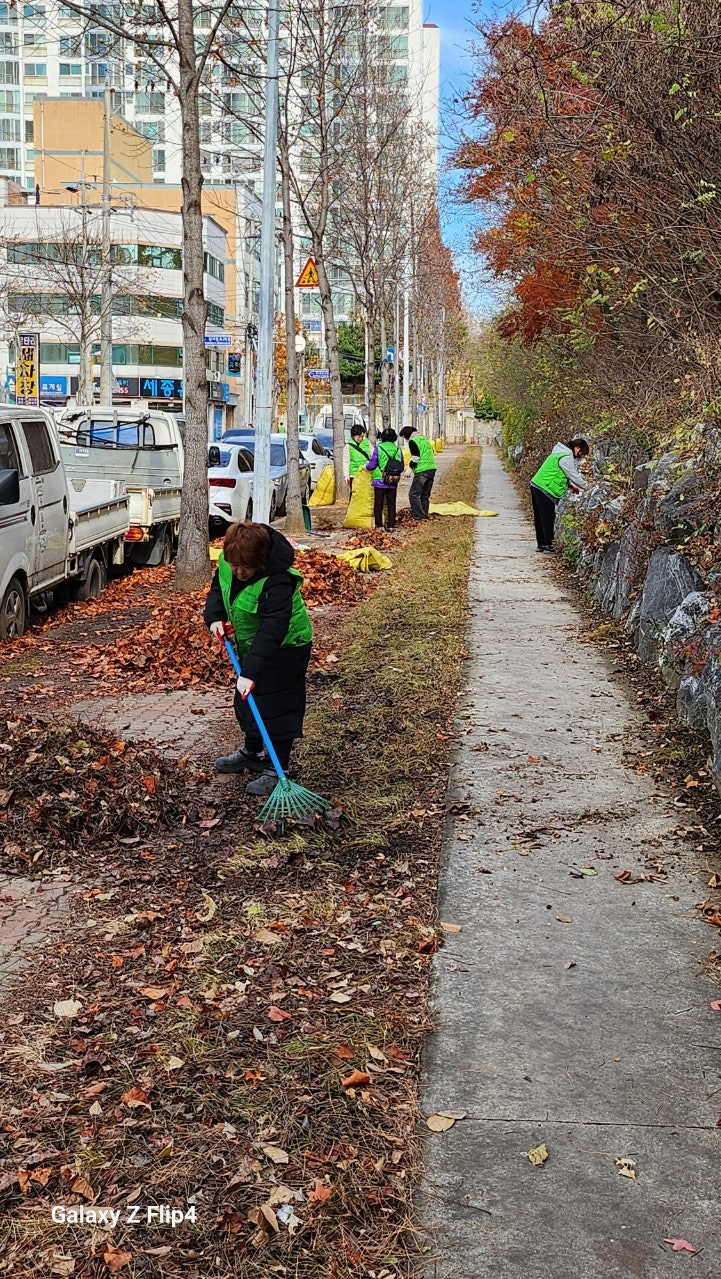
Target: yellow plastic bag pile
x: 456, y: 508
x: 365, y: 559
x: 324, y: 494
x: 360, y: 507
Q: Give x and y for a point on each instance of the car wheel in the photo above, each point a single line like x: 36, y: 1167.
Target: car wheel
x: 273, y: 507
x: 93, y: 585
x: 13, y: 611
x: 249, y: 509
x: 167, y: 552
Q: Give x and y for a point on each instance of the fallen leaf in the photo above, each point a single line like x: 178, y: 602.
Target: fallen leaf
x: 174, y: 1063
x: 135, y: 1097
x: 62, y: 1266
x: 67, y: 1007
x: 564, y: 919
x: 355, y: 1079
x: 451, y: 928
x: 682, y: 1245
x: 716, y: 1005
x: 278, y: 1014
x: 210, y: 909
x: 346, y: 1051
x: 626, y: 1168
x: 266, y: 937
x: 155, y: 992
x: 338, y: 997
x: 276, y: 1154
x: 538, y: 1155
x: 453, y: 1114
x: 320, y: 1194
x: 439, y: 1123
x: 116, y: 1258
x: 150, y: 785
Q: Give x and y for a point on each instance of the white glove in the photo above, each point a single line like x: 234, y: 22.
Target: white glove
x: 245, y: 686
x: 217, y: 629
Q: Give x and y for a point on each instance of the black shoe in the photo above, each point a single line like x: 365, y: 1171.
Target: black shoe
x: 241, y: 762
x: 263, y: 785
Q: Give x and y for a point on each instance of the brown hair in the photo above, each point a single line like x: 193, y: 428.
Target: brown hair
x: 247, y: 547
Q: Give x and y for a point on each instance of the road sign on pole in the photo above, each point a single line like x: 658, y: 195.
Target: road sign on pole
x: 308, y: 278
x: 317, y: 374
x: 218, y: 341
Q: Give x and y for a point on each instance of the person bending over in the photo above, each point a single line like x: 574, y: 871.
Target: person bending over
x: 553, y: 477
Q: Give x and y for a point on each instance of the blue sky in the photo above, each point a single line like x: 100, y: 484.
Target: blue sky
x: 456, y: 20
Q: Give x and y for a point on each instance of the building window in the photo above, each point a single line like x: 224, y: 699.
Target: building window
x: 213, y: 266
x: 153, y: 130
x: 8, y: 14
x: 9, y: 100
x: 159, y: 161
x: 70, y: 46
x: 160, y: 258
x: 8, y: 42
x: 35, y: 70
x: 9, y: 158
x: 9, y: 73
x: 10, y: 131
x: 216, y: 315
x: 150, y: 103
x: 71, y: 68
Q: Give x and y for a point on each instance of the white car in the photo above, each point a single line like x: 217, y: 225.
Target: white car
x: 230, y: 485
x: 318, y: 458
x: 352, y: 416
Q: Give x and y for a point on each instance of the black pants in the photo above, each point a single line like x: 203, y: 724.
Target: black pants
x: 544, y: 516
x: 379, y: 497
x: 280, y: 697
x: 420, y: 494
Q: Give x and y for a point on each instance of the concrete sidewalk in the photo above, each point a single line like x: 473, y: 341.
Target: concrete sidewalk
x: 571, y: 1011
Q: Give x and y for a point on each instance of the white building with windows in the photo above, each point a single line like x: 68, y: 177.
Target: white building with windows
x: 50, y: 270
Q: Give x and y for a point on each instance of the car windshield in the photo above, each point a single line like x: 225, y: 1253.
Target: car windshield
x: 277, y: 452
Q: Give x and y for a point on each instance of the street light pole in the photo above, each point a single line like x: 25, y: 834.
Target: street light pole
x: 406, y: 359
x: 266, y: 308
x: 106, y: 299
x: 397, y: 363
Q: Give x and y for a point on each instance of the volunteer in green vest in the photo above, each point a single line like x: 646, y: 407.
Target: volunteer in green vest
x: 386, y: 466
x: 359, y: 451
x: 552, y: 479
x: 423, y: 466
x: 255, y: 597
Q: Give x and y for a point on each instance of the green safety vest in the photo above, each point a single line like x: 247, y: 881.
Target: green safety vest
x: 550, y: 477
x: 358, y: 455
x: 243, y: 611
x: 386, y: 451
x: 427, y: 459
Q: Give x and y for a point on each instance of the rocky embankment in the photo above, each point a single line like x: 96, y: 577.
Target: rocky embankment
x: 650, y: 553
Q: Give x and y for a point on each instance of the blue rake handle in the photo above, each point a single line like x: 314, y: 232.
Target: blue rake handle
x: 272, y: 754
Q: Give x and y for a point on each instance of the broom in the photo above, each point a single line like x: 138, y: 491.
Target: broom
x: 288, y: 800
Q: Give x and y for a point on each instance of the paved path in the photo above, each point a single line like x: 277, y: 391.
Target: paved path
x: 29, y: 910
x: 571, y: 1011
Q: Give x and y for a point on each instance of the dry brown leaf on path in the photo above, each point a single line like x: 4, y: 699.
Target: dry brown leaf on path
x: 278, y: 1014
x: 136, y: 1097
x: 439, y: 1123
x: 716, y: 1005
x: 564, y: 919
x: 276, y: 1154
x: 626, y: 1168
x: 538, y: 1155
x: 266, y: 937
x: 67, y: 1007
x: 451, y: 928
x: 320, y: 1193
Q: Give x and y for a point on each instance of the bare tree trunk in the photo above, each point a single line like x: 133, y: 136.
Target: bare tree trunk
x: 336, y: 391
x: 385, y: 379
x: 85, y: 369
x: 294, y: 524
x: 192, y: 568
x: 371, y: 359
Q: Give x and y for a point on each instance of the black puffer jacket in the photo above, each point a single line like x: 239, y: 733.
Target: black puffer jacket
x: 278, y: 673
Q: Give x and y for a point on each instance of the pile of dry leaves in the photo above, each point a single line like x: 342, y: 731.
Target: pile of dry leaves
x: 328, y: 580
x: 65, y: 786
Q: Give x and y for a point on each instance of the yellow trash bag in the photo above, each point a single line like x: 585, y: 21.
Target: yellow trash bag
x: 365, y: 559
x: 438, y: 445
x: 324, y: 494
x: 406, y: 457
x: 360, y: 507
x: 456, y: 508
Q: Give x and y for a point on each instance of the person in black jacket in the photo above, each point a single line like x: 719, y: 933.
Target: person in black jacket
x: 255, y: 593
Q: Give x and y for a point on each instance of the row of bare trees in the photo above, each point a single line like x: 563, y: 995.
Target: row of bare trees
x: 356, y: 182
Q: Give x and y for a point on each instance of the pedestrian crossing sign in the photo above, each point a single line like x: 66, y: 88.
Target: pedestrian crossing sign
x: 308, y: 278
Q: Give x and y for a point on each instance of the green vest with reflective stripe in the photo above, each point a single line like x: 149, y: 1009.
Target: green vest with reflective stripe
x: 386, y: 451
x: 358, y: 455
x: 243, y: 611
x: 427, y: 458
x: 550, y: 477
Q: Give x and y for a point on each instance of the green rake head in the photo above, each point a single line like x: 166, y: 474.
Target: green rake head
x: 290, y: 801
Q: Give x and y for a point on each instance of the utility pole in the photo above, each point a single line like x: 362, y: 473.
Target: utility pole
x: 248, y: 380
x: 406, y: 360
x: 266, y: 308
x: 106, y: 299
x: 397, y: 363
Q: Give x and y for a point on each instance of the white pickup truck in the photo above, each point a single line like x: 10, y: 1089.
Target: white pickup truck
x: 143, y: 448
x: 56, y: 533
